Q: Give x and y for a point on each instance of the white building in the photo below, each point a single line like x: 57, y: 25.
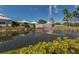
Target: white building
x: 5, y: 21
x: 23, y: 21
x: 46, y: 25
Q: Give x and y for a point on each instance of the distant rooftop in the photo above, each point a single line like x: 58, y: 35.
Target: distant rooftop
x: 34, y: 22
x: 3, y: 17
x: 23, y: 21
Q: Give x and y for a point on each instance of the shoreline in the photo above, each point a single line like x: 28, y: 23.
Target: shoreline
x: 27, y: 29
x: 14, y: 29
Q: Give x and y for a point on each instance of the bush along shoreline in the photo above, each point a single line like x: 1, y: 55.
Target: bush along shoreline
x: 57, y: 46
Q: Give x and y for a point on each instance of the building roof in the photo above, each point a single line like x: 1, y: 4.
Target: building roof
x: 34, y: 22
x: 23, y: 21
x: 3, y: 17
x: 49, y: 22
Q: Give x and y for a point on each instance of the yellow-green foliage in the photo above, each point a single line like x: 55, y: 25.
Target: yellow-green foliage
x: 58, y: 46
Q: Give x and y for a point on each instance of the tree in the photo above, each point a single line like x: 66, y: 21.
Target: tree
x: 67, y: 16
x: 78, y: 8
x: 26, y: 25
x: 15, y: 23
x: 41, y: 21
x: 57, y: 23
x: 65, y: 11
x: 71, y: 18
x: 76, y: 15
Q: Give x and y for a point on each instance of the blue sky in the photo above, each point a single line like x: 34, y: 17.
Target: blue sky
x: 35, y: 12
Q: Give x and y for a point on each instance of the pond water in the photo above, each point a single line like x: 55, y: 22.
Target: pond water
x: 14, y: 41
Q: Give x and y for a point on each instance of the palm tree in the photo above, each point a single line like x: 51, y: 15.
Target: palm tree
x: 75, y: 14
x: 65, y: 11
x: 78, y: 8
x: 69, y: 18
x: 66, y: 20
x: 72, y: 18
x: 78, y: 13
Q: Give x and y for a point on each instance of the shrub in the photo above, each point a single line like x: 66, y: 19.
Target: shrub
x: 58, y: 46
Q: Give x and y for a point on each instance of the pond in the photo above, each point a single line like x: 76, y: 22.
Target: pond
x: 14, y: 40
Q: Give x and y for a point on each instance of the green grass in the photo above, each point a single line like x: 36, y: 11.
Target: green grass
x: 57, y: 46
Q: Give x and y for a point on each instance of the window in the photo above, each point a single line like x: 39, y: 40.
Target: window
x: 2, y: 22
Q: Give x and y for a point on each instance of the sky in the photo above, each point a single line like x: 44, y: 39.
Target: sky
x: 35, y: 12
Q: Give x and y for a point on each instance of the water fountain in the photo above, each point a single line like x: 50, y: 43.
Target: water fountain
x: 49, y: 23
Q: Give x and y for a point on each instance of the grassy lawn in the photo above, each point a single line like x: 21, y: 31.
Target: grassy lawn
x: 62, y: 27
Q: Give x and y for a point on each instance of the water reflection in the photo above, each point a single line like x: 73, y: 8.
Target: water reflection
x: 16, y: 40
x: 5, y: 36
